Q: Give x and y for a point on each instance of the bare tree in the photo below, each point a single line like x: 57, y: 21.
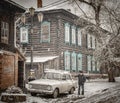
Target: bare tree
x: 107, y: 15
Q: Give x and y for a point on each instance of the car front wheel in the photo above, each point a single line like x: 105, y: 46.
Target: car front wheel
x: 33, y: 94
x: 55, y: 93
x: 71, y: 90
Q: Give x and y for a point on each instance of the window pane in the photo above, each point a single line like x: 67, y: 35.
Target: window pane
x: 4, y: 32
x: 93, y: 42
x: 79, y: 37
x: 74, y: 61
x: 93, y: 63
x: 67, y: 32
x: 45, y: 32
x: 89, y: 41
x: 79, y: 62
x: 24, y: 35
x: 67, y: 61
x: 89, y: 63
x: 73, y: 35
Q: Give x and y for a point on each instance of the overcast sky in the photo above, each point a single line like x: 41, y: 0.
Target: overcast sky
x: 49, y: 4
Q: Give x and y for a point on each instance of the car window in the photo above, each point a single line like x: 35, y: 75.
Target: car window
x: 50, y: 75
x: 63, y: 77
x: 68, y: 77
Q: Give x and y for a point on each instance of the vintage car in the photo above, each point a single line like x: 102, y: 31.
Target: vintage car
x: 53, y: 82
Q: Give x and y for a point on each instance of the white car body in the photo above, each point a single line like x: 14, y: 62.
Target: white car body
x: 54, y: 82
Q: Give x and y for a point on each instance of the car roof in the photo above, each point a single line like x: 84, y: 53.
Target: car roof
x: 57, y: 71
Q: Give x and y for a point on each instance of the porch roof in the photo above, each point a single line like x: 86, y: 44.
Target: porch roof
x: 38, y: 59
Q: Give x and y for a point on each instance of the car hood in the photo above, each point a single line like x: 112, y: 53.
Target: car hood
x: 45, y: 82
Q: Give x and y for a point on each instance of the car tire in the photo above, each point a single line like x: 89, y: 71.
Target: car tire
x: 33, y: 94
x: 55, y: 93
x: 71, y: 90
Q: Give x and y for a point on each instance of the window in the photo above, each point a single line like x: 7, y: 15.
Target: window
x: 68, y: 77
x: 93, y: 63
x: 73, y: 61
x: 79, y: 37
x: 89, y: 64
x: 67, y: 32
x: 67, y: 61
x: 97, y: 65
x: 73, y: 35
x: 4, y: 32
x: 88, y: 41
x: 45, y: 32
x: 79, y: 62
x: 91, y: 41
x: 24, y: 35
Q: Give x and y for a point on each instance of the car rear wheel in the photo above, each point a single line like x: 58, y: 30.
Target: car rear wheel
x: 33, y: 94
x: 71, y: 90
x: 55, y: 93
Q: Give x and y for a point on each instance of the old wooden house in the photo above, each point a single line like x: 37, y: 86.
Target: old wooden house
x: 11, y: 59
x: 59, y: 42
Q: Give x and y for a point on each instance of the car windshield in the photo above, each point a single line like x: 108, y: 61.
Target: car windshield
x: 52, y: 76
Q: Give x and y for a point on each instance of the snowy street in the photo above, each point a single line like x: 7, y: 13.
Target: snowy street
x: 92, y: 87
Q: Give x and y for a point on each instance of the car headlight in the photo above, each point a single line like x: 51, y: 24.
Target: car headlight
x: 49, y: 87
x: 30, y: 86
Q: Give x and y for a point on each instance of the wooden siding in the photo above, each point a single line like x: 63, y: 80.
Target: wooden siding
x: 8, y: 70
x: 57, y: 45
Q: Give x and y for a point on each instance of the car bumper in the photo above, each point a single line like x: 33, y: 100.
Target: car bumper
x: 40, y: 91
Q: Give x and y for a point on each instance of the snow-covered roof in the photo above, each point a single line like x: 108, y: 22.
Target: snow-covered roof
x: 57, y: 71
x: 39, y: 59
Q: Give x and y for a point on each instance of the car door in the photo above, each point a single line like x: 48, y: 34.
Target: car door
x: 69, y: 82
x: 64, y: 84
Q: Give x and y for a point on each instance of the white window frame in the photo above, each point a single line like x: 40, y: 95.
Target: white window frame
x: 4, y: 32
x: 67, y: 61
x: 73, y: 35
x: 24, y: 35
x: 45, y: 25
x: 89, y: 63
x: 67, y: 32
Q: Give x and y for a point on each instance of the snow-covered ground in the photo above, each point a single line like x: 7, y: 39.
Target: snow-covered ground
x: 91, y: 87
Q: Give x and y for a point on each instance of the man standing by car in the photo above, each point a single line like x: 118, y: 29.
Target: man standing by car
x: 81, y: 81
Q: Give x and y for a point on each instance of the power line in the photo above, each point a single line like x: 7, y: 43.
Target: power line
x: 54, y: 4
x: 80, y: 8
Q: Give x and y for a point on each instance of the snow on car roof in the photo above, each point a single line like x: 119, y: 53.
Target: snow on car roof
x: 57, y: 71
